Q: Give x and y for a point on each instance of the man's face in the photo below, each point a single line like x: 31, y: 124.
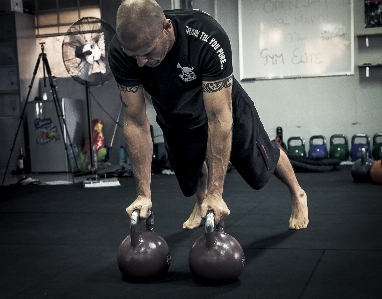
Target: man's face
x: 151, y: 53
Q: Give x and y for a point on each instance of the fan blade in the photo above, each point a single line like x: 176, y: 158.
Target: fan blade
x: 84, y: 51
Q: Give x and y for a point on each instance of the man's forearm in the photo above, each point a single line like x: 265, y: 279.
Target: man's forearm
x: 218, y: 151
x: 140, y: 149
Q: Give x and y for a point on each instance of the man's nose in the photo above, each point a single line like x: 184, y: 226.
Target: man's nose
x: 141, y: 60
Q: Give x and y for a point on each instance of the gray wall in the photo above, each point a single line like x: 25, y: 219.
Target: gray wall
x: 303, y: 107
x: 314, y: 106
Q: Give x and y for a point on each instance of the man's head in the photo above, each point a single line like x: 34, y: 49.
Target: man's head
x: 144, y: 32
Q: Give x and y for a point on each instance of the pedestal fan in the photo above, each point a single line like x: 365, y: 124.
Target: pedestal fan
x: 84, y: 52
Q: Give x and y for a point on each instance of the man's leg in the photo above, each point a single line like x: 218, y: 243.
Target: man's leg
x: 284, y: 171
x: 196, y: 216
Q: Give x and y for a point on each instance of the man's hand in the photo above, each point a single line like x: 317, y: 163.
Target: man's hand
x: 217, y: 204
x: 143, y: 204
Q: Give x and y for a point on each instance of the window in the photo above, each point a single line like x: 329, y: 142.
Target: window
x: 54, y: 17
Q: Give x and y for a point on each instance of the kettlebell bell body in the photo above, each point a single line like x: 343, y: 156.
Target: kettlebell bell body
x: 339, y: 150
x: 216, y: 257
x: 296, y: 150
x: 143, y: 255
x: 361, y: 168
x: 317, y: 150
x: 377, y: 146
x: 356, y: 147
x: 376, y: 171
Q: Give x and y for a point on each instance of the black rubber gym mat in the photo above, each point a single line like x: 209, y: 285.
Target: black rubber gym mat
x: 61, y: 241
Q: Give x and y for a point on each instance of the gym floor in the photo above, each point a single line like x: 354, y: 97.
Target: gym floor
x: 60, y: 241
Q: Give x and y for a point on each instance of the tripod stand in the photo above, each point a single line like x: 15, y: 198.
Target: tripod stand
x: 60, y: 116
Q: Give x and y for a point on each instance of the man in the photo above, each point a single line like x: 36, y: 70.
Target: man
x: 183, y: 60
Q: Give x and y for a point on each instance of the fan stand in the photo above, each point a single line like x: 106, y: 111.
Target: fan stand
x: 90, y: 129
x: 84, y: 54
x: 60, y: 115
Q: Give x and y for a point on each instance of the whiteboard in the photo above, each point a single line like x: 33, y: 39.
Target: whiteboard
x: 295, y: 38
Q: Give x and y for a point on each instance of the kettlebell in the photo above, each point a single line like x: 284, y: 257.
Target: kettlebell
x: 216, y: 257
x: 361, y: 168
x: 376, y: 171
x: 356, y: 148
x: 279, y: 138
x: 377, y: 146
x: 143, y: 255
x: 296, y: 150
x: 317, y: 150
x: 339, y: 150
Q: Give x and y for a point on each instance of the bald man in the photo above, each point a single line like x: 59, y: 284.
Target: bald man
x: 183, y: 59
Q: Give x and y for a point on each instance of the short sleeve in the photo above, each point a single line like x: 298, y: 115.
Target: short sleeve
x: 123, y: 67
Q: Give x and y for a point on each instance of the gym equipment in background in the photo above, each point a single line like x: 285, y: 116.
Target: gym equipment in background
x: 377, y: 146
x: 296, y: 150
x: 356, y: 147
x: 361, y: 168
x: 317, y: 150
x: 84, y: 52
x: 339, y: 150
x: 308, y: 164
x: 63, y: 129
x: 376, y: 171
x: 279, y: 138
x: 216, y: 257
x: 143, y: 255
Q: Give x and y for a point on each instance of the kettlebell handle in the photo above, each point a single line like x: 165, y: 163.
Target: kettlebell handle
x: 317, y: 137
x: 135, y: 220
x: 210, y: 228
x: 210, y: 223
x: 339, y: 136
x: 376, y: 135
x: 134, y: 226
x: 365, y: 136
x: 295, y: 138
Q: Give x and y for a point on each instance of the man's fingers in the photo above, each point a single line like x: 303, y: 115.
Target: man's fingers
x: 145, y: 212
x: 130, y: 210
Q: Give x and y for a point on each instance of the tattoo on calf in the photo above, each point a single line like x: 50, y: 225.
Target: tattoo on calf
x: 133, y: 89
x: 218, y: 85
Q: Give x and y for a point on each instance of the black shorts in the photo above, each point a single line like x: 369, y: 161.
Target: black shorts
x: 253, y: 154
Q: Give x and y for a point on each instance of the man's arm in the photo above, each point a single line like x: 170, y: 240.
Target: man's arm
x: 218, y: 103
x: 136, y: 129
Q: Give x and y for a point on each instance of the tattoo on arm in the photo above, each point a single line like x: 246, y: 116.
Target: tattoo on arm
x: 133, y: 89
x: 218, y: 85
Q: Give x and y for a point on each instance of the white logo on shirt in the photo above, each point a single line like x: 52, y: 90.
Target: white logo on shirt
x: 187, y: 74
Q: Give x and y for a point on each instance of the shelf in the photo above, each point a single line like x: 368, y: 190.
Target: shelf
x: 366, y: 36
x: 369, y: 34
x: 370, y: 65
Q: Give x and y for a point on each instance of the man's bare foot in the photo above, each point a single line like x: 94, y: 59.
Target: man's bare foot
x: 299, y: 216
x: 195, y: 218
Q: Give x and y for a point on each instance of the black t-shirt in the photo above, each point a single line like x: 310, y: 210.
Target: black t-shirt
x: 202, y: 52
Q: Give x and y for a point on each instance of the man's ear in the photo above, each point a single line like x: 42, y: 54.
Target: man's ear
x: 167, y: 25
